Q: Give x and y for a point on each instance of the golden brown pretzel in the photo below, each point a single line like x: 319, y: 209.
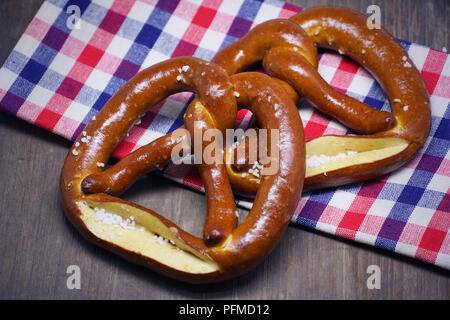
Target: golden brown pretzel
x: 144, y: 237
x: 337, y: 160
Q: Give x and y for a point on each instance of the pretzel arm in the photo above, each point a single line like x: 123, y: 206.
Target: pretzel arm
x: 302, y: 76
x: 221, y: 216
x: 117, y: 178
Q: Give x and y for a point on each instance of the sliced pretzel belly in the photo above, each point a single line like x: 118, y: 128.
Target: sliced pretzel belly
x: 143, y: 237
x: 302, y: 76
x: 338, y: 160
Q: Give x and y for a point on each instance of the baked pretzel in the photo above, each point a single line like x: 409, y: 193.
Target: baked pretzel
x: 144, y: 237
x: 338, y: 160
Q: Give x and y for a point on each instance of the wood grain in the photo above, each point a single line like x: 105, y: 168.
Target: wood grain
x: 37, y: 244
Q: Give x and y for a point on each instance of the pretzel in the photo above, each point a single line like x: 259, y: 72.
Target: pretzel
x: 338, y: 160
x: 143, y: 236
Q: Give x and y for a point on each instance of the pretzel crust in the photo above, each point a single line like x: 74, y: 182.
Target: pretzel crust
x: 154, y: 241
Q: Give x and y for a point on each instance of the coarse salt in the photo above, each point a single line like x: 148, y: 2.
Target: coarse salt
x: 317, y: 161
x: 113, y: 219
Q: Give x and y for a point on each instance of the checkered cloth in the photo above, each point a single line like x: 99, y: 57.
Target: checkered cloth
x: 61, y: 72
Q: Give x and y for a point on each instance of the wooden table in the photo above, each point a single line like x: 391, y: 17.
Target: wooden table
x: 37, y: 243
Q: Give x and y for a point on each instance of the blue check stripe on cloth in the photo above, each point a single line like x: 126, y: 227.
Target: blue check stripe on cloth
x: 58, y: 77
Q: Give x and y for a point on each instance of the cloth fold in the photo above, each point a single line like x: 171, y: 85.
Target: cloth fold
x: 74, y: 56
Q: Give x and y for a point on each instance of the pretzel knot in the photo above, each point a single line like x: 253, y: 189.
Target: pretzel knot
x: 143, y: 236
x: 287, y: 51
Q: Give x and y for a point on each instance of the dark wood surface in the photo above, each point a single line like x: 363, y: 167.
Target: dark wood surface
x: 37, y: 243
